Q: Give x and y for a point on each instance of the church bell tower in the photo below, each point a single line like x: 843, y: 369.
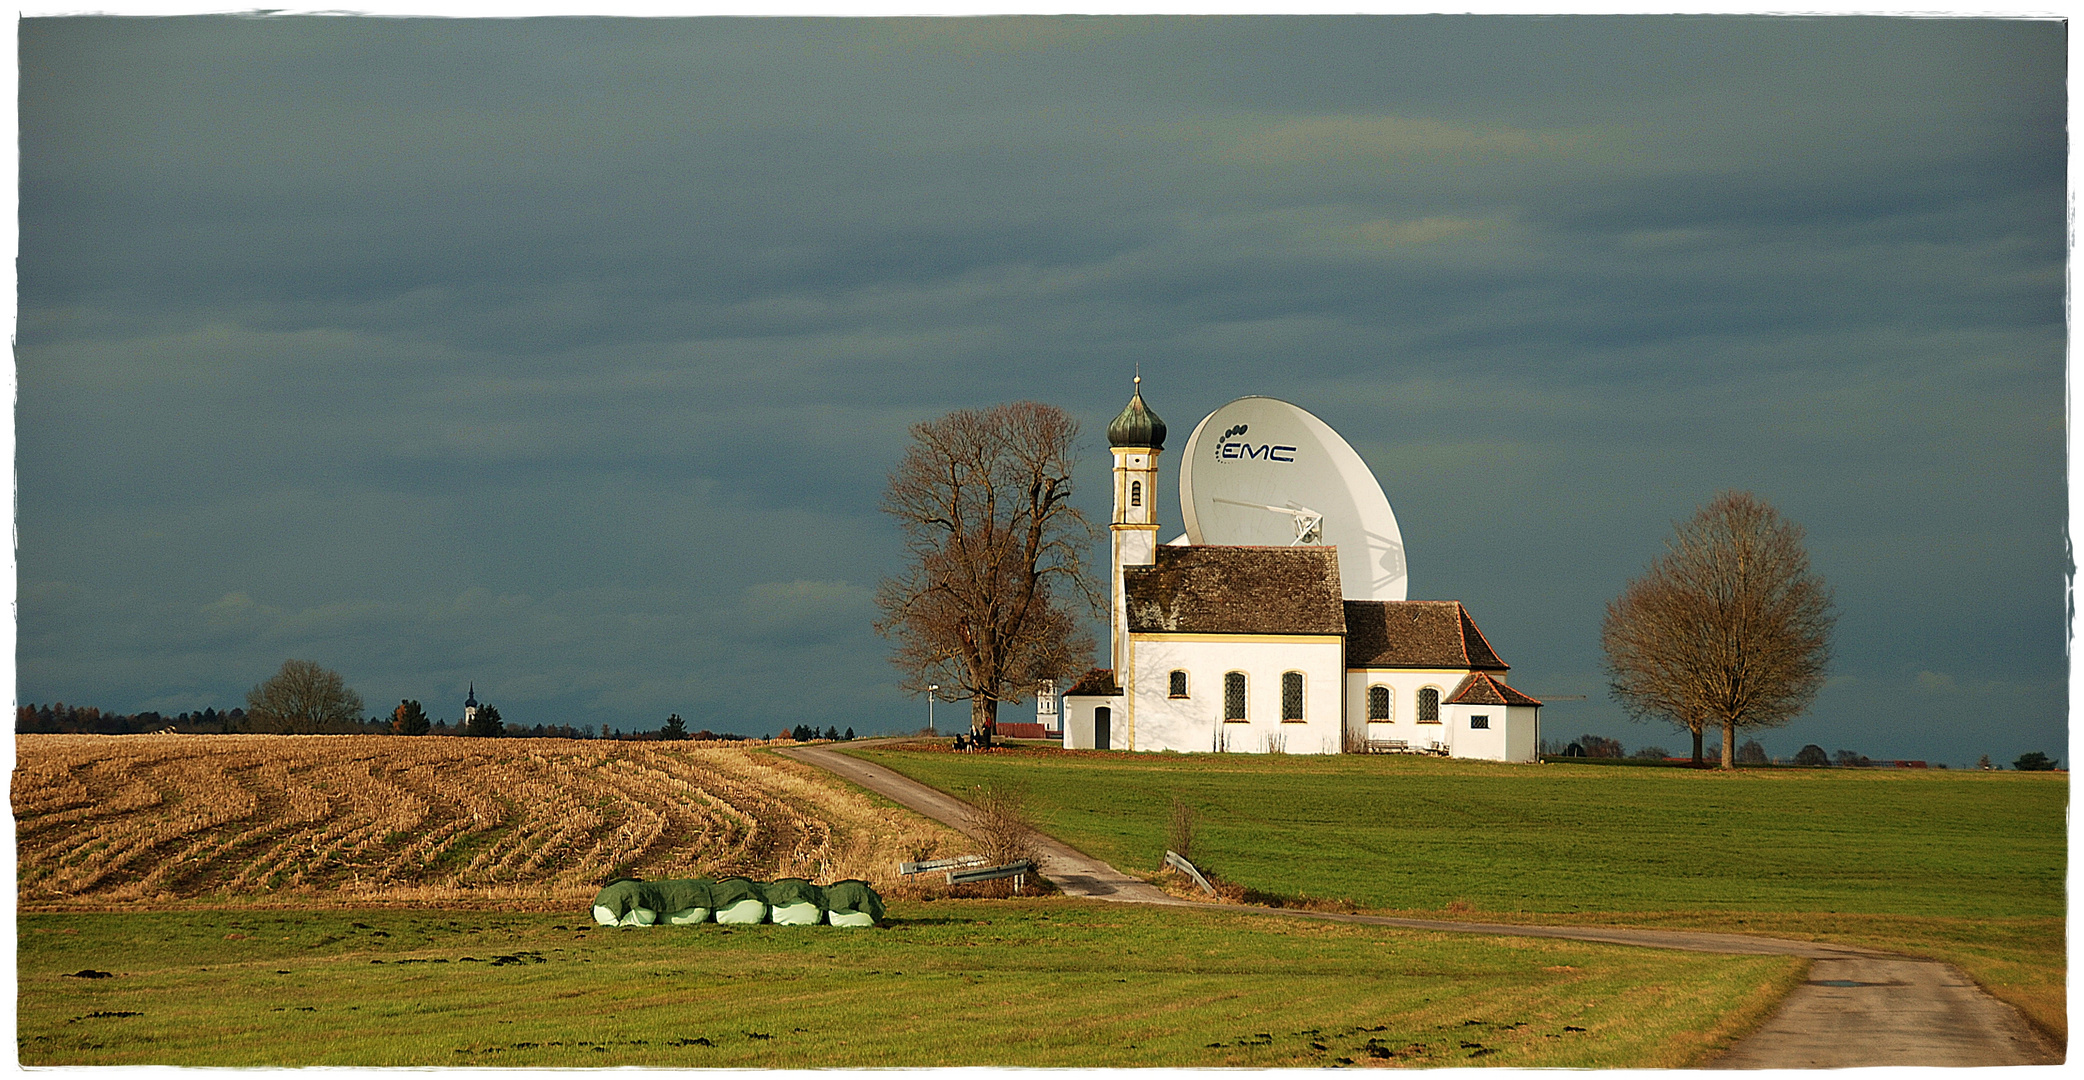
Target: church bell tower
x: 1136, y: 438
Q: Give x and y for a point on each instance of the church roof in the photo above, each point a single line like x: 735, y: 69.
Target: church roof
x: 1236, y: 590
x: 1099, y: 682
x: 1137, y: 425
x: 1416, y: 634
x: 1481, y: 689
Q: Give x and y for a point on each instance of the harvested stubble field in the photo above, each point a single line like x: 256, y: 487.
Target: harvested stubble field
x: 351, y: 820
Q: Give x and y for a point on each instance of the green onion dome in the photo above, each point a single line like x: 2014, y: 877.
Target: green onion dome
x: 1137, y: 425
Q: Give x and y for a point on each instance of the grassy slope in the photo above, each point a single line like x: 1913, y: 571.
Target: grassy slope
x: 1966, y: 867
x: 1049, y: 983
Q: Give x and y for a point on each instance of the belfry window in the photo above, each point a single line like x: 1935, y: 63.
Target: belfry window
x: 1234, y: 696
x: 1179, y: 684
x: 1378, y: 704
x: 1429, y: 705
x: 1135, y: 493
x: 1291, y: 696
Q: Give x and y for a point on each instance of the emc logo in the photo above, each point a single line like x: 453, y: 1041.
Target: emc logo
x: 1230, y: 448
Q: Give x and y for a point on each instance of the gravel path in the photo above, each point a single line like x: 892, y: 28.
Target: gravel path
x: 1858, y: 1008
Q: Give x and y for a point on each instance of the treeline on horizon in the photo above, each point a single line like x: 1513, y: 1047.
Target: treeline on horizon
x: 59, y: 718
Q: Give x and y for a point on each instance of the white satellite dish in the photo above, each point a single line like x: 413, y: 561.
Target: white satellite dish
x: 1262, y: 472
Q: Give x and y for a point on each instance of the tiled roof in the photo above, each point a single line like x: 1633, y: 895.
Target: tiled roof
x: 1098, y: 682
x: 1415, y: 633
x: 1481, y: 689
x: 1236, y: 590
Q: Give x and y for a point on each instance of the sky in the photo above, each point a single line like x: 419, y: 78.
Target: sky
x: 567, y: 358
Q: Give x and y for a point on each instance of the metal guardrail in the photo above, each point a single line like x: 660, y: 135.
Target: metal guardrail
x: 1179, y: 862
x: 907, y: 869
x: 992, y: 873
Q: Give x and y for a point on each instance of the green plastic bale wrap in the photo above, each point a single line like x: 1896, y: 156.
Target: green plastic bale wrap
x: 621, y: 903
x: 853, y: 903
x: 681, y: 902
x: 794, y: 902
x: 738, y: 902
x: 635, y: 902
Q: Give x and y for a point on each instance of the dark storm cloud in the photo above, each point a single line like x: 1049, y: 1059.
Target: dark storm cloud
x: 569, y: 355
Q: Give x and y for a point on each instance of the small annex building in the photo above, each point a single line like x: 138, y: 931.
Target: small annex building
x: 1255, y: 650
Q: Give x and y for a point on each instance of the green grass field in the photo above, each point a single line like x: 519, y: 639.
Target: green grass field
x: 1963, y: 866
x: 1052, y: 982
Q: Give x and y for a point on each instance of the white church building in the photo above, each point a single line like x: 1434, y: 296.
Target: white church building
x: 1256, y: 650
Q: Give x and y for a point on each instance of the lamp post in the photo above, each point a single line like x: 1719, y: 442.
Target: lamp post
x: 932, y: 691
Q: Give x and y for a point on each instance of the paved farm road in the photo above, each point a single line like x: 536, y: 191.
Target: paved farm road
x: 1859, y: 1008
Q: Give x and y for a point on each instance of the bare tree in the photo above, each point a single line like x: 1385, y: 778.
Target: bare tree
x: 1729, y: 626
x: 984, y: 608
x: 303, y: 698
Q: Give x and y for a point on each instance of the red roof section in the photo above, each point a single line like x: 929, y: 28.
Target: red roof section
x: 1480, y: 688
x: 1416, y: 633
x: 1099, y: 682
x: 1235, y: 590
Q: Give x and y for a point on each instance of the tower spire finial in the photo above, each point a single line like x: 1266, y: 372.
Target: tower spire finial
x: 1137, y: 425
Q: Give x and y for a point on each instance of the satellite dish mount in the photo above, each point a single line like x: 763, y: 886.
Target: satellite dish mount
x: 1309, y: 524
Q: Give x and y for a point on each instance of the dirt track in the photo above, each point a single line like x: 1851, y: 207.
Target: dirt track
x: 1859, y: 1007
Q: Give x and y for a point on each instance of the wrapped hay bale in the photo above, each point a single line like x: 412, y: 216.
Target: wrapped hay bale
x: 738, y: 902
x: 853, y: 903
x: 794, y: 902
x: 681, y: 902
x: 621, y: 903
x: 635, y: 902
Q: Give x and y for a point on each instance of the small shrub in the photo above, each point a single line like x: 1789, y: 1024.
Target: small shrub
x: 1651, y: 753
x: 1179, y: 831
x: 2034, y: 762
x: 1812, y: 755
x: 1600, y: 747
x: 999, y: 816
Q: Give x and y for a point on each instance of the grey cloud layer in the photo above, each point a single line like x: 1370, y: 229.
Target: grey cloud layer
x: 627, y: 319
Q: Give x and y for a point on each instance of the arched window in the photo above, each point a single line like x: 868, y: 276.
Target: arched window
x: 1135, y: 493
x: 1429, y: 705
x: 1234, y: 696
x: 1179, y: 684
x: 1378, y: 704
x: 1291, y: 695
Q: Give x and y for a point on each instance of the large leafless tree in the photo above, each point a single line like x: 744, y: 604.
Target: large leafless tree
x: 303, y: 698
x: 989, y: 605
x: 1728, y: 627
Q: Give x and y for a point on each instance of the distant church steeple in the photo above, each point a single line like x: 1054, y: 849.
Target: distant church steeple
x: 1136, y: 438
x: 470, y: 704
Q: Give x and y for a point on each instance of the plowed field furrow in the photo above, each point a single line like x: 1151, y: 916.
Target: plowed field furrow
x: 140, y: 845
x: 315, y: 820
